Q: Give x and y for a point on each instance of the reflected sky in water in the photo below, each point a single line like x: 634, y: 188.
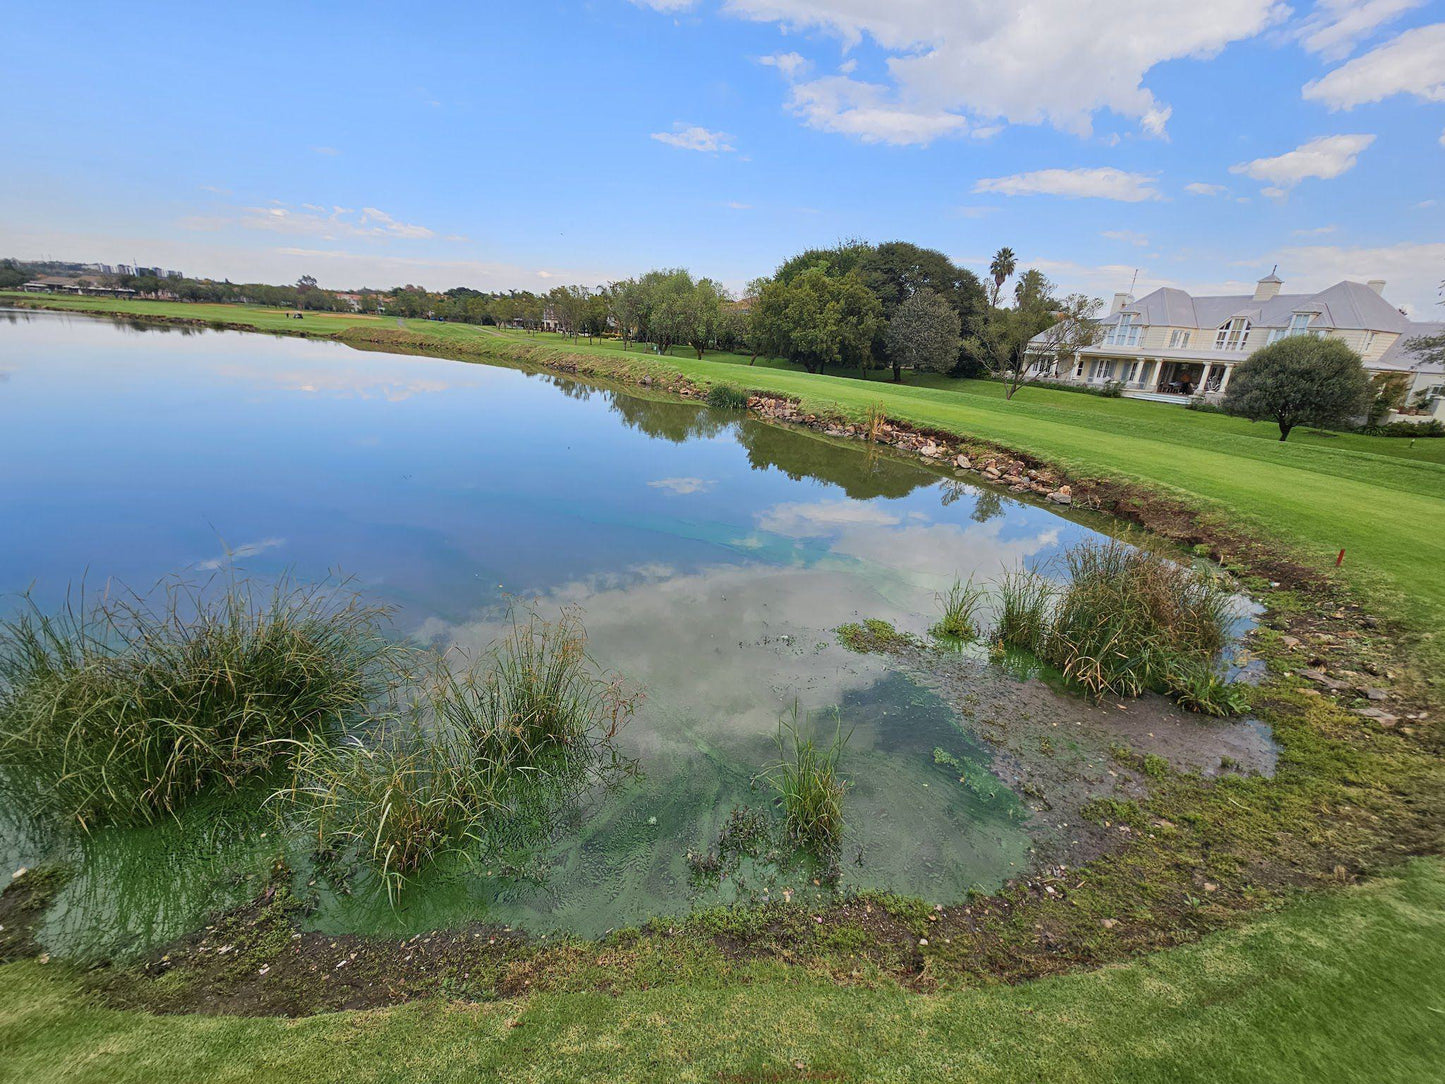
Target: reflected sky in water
x: 712, y: 557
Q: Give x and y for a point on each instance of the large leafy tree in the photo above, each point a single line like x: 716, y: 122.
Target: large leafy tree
x: 896, y: 270
x: 817, y: 319
x: 923, y: 334
x: 1300, y: 380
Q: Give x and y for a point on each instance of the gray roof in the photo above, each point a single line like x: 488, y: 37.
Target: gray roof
x: 1346, y: 306
x: 1400, y: 356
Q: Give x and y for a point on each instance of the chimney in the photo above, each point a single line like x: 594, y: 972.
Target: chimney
x: 1120, y: 301
x: 1378, y: 285
x: 1268, y: 286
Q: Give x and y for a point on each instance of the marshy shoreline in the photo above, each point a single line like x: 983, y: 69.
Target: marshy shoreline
x: 1355, y: 795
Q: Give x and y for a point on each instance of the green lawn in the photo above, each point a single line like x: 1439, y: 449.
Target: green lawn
x: 1346, y: 987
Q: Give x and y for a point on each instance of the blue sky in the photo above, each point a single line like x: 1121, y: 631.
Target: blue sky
x: 530, y: 143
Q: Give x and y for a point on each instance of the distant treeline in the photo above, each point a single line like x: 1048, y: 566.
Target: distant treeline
x: 855, y: 304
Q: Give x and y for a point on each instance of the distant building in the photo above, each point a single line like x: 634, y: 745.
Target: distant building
x: 1171, y: 346
x: 174, y: 275
x: 53, y: 284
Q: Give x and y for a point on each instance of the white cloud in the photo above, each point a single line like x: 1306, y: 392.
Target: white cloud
x: 1413, y: 63
x: 737, y: 205
x: 1046, y: 62
x: 330, y: 152
x: 791, y: 65
x: 695, y: 138
x: 1325, y: 158
x: 1335, y: 27
x: 1100, y: 183
x: 666, y: 6
x: 1199, y: 188
x: 867, y: 111
x: 1411, y: 269
x: 313, y: 220
x: 819, y: 518
x: 1317, y: 231
x: 1129, y: 237
x: 1442, y: 138
x: 246, y: 549
x: 682, y: 487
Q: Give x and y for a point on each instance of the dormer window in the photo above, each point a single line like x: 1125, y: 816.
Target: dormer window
x: 1233, y: 335
x: 1299, y: 324
x: 1178, y: 340
x: 1125, y: 332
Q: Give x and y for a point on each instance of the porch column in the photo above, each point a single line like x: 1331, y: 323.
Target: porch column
x: 1224, y: 382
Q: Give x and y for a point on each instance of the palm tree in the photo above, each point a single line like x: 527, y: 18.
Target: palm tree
x: 1004, y: 262
x: 1032, y: 287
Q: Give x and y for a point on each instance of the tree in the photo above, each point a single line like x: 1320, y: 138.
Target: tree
x: 1029, y: 341
x: 1034, y: 288
x: 815, y: 319
x: 923, y: 334
x: 1300, y: 380
x: 896, y: 270
x: 701, y: 314
x: 1004, y: 262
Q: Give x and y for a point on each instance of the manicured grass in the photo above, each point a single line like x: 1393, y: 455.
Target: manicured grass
x: 1339, y: 988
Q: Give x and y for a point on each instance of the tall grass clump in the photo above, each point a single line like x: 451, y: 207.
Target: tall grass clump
x: 1025, y: 611
x: 810, y: 788
x: 1128, y: 615
x: 727, y: 397
x: 960, y: 604
x: 490, y: 752
x: 122, y: 710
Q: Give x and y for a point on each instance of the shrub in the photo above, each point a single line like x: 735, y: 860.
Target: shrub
x: 126, y: 709
x: 1203, y: 405
x: 1113, y: 389
x: 960, y: 604
x: 727, y: 397
x: 1300, y: 380
x: 1432, y: 428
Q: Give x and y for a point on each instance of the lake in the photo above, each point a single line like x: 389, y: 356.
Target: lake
x: 712, y: 558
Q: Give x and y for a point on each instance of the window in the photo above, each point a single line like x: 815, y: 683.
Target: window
x: 1125, y: 332
x: 1214, y: 378
x: 1133, y: 377
x: 1178, y: 340
x: 1233, y: 335
x: 1079, y: 367
x: 1369, y: 343
x: 1299, y: 324
x: 1103, y: 370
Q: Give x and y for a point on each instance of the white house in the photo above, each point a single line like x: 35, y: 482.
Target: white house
x: 1170, y: 346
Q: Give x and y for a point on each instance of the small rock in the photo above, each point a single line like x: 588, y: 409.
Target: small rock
x: 19, y: 873
x: 963, y: 463
x: 1289, y: 641
x: 1384, y: 718
x: 1374, y: 694
x: 1110, y: 923
x: 1059, y: 496
x: 923, y: 941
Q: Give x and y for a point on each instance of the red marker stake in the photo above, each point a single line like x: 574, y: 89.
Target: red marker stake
x: 1340, y: 559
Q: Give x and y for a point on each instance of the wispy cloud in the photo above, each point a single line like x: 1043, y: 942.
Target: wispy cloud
x: 681, y: 487
x: 1199, y: 188
x: 1100, y: 183
x: 790, y: 65
x: 695, y: 138
x: 314, y: 220
x: 1129, y: 237
x: 1412, y: 63
x: 329, y: 152
x: 246, y: 549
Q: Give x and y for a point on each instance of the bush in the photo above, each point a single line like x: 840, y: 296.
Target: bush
x: 1433, y: 428
x: 122, y: 712
x: 1203, y: 405
x: 1113, y: 389
x: 1200, y: 689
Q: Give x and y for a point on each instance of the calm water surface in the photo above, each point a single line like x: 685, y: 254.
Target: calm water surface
x: 712, y: 557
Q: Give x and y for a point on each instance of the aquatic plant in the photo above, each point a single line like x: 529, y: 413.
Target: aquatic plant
x: 874, y: 634
x: 492, y: 751
x: 1025, y: 600
x: 1128, y: 614
x: 960, y: 604
x: 809, y: 787
x: 727, y: 397
x: 121, y: 710
x: 1200, y: 689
